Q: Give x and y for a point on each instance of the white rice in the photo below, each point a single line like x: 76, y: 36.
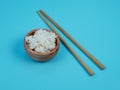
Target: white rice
x: 42, y: 41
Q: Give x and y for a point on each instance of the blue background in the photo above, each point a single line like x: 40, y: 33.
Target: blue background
x: 95, y: 24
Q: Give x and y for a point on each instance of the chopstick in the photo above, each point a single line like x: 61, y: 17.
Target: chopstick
x: 89, y: 71
x: 100, y: 65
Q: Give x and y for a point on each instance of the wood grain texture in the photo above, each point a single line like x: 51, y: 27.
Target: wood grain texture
x: 41, y: 56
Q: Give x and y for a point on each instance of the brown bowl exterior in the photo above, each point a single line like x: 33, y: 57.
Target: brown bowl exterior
x: 41, y: 56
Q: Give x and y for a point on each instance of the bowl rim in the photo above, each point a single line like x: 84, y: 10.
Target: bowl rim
x: 39, y: 53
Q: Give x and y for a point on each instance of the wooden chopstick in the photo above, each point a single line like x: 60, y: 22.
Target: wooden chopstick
x: 89, y: 71
x: 100, y: 65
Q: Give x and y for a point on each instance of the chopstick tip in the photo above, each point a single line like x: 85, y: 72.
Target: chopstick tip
x: 91, y: 74
x: 102, y: 68
x: 41, y: 10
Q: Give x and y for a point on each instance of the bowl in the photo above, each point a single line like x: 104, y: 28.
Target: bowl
x: 38, y: 56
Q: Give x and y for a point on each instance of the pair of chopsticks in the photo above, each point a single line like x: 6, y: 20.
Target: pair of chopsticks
x: 45, y: 18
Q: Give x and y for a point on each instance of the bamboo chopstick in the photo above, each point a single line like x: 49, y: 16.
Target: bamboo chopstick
x: 100, y: 65
x: 89, y: 71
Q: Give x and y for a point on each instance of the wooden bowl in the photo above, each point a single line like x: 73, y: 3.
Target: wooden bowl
x: 41, y: 56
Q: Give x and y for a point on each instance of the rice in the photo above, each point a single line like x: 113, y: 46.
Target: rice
x: 42, y: 41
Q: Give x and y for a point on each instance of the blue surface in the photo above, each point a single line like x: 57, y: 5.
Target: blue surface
x: 95, y: 24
